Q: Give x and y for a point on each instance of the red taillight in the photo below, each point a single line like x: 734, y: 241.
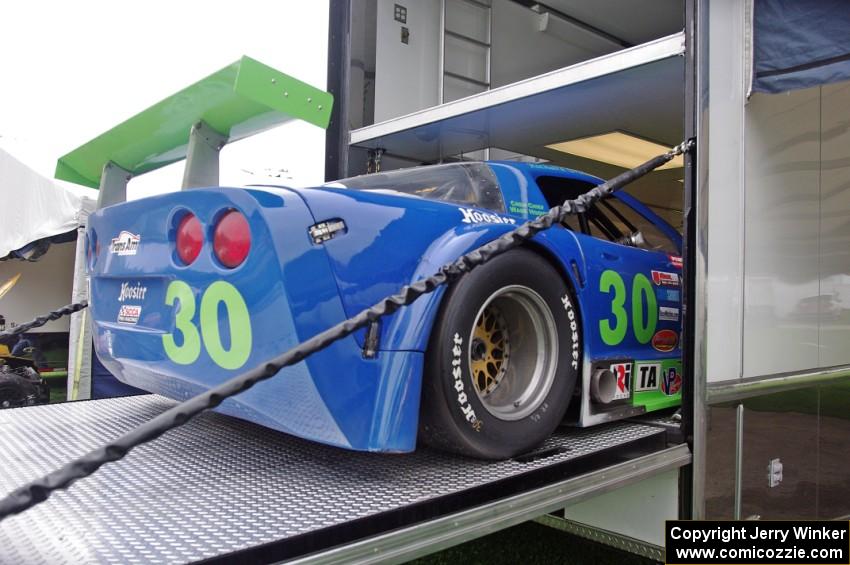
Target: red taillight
x: 190, y: 238
x: 232, y: 239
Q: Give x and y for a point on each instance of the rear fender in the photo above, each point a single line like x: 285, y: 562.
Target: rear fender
x: 411, y: 327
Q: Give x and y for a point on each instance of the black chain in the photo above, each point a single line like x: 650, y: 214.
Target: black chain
x: 37, y: 491
x: 41, y: 320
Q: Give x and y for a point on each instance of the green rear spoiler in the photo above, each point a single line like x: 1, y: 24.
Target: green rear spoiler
x: 240, y: 100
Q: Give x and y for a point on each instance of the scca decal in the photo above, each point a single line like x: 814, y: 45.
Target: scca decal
x: 129, y: 314
x: 475, y: 217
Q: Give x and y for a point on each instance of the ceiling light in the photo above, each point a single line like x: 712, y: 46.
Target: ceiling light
x: 616, y: 148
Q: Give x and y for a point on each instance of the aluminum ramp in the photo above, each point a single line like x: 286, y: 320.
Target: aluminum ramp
x: 219, y: 488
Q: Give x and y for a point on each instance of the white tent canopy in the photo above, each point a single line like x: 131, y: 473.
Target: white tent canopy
x: 35, y: 207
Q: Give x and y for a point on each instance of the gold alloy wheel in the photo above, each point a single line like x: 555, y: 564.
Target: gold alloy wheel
x: 513, y: 352
x: 490, y: 350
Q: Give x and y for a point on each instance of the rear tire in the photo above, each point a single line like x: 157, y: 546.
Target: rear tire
x: 503, y: 359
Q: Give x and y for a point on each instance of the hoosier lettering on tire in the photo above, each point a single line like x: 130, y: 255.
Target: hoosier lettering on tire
x: 503, y: 359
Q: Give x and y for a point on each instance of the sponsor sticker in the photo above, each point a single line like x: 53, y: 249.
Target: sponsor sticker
x: 672, y: 382
x: 457, y: 373
x: 668, y: 313
x: 623, y: 372
x: 571, y: 314
x: 665, y: 341
x: 647, y: 376
x: 663, y: 278
x: 471, y: 216
x: 132, y: 292
x: 129, y: 313
x: 125, y: 244
x: 675, y: 260
x: 668, y: 294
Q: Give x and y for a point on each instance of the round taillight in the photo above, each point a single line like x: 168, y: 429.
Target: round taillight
x: 232, y: 239
x: 190, y: 238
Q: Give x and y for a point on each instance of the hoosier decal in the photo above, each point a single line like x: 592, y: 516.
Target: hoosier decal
x: 134, y: 292
x: 471, y: 216
x: 571, y: 314
x: 457, y: 374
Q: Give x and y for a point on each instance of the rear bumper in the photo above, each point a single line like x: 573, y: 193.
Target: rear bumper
x: 288, y: 293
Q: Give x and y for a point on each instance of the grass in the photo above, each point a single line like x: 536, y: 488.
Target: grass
x: 531, y: 544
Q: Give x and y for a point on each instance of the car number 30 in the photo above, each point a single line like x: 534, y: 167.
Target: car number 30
x: 644, y: 309
x: 238, y: 319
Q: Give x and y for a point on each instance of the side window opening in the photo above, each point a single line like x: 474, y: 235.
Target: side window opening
x: 610, y: 219
x: 558, y: 189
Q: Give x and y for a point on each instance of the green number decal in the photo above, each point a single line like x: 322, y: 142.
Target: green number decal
x: 642, y: 294
x: 238, y: 319
x: 613, y: 336
x: 187, y: 353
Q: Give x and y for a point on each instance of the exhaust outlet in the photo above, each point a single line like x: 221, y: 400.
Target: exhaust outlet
x: 603, y: 386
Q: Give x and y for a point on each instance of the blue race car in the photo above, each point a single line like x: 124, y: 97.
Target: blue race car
x: 582, y: 324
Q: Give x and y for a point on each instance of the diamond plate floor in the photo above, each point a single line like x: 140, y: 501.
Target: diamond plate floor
x: 219, y: 485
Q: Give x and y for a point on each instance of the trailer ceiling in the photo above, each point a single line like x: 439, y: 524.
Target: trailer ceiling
x: 637, y: 90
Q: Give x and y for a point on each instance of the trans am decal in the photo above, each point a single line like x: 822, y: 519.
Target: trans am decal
x: 125, y: 244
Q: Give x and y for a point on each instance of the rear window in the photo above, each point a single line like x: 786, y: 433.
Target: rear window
x: 471, y: 184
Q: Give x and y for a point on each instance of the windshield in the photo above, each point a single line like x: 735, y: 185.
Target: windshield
x: 472, y: 184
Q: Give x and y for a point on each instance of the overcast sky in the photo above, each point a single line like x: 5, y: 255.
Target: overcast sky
x: 72, y: 70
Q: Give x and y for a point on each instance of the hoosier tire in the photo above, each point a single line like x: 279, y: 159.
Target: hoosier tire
x: 502, y: 361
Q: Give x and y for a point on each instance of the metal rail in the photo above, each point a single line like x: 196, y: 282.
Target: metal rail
x: 770, y: 384
x: 415, y: 541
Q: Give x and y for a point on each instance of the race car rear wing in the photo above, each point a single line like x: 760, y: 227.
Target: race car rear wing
x: 240, y: 100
